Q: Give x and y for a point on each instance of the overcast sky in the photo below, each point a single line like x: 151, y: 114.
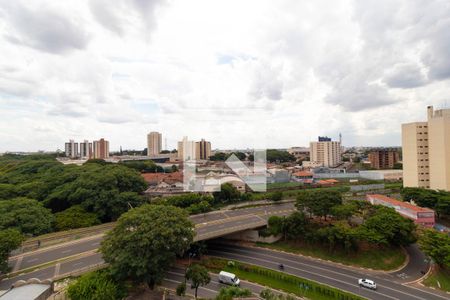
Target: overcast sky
x: 238, y: 73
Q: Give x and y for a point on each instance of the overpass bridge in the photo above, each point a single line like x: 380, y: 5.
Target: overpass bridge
x: 207, y: 226
x: 236, y: 221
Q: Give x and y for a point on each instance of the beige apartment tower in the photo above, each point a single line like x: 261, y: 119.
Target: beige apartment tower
x: 202, y: 150
x: 326, y: 152
x: 154, y: 143
x: 426, y: 151
x: 100, y: 149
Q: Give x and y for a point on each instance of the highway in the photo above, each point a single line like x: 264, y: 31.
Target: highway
x: 80, y: 254
x: 390, y: 286
x: 208, y: 225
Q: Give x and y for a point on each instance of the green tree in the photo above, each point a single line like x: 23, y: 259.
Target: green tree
x: 181, y: 289
x: 318, y: 202
x: 276, y: 196
x: 75, y: 217
x: 228, y: 193
x: 295, y: 225
x: 436, y: 245
x: 276, y: 225
x: 344, y: 211
x: 98, y: 285
x: 7, y: 191
x: 10, y: 239
x: 198, y: 275
x: 26, y: 215
x: 145, y: 242
x: 273, y: 155
x: 388, y: 227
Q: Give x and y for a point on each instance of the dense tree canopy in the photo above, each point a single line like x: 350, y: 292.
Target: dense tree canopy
x: 98, y: 285
x: 75, y: 217
x: 318, y: 202
x: 26, y: 215
x: 105, y: 189
x: 145, y: 242
x: 228, y: 193
x: 10, y: 239
x: 437, y: 246
x: 437, y: 200
x: 273, y: 155
x: 386, y: 226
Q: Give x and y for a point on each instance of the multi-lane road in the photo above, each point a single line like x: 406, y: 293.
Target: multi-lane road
x: 207, y: 225
x: 81, y: 254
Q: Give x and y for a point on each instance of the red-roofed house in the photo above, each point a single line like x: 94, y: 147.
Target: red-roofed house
x: 303, y: 175
x: 420, y: 215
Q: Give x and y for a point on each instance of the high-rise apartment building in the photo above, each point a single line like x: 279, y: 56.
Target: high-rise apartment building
x: 426, y: 151
x: 154, y: 143
x: 202, y: 150
x: 383, y: 158
x: 86, y: 149
x: 71, y: 149
x: 187, y: 149
x: 100, y: 149
x: 325, y: 152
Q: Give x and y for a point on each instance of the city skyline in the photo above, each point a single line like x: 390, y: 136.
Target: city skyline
x: 277, y: 76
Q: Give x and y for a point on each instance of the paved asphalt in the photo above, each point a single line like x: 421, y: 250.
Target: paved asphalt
x: 389, y: 286
x: 215, y: 223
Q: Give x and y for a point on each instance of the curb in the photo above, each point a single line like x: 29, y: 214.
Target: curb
x: 350, y: 267
x: 57, y: 246
x: 430, y: 270
x: 50, y: 264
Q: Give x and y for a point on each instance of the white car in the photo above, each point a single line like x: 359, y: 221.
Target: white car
x: 370, y: 284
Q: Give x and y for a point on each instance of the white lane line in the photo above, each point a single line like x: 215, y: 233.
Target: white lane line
x: 313, y: 273
x: 77, y: 264
x: 66, y: 251
x: 436, y: 295
x: 57, y: 268
x: 95, y: 244
x: 32, y: 260
x: 200, y: 288
x: 18, y: 263
x: 324, y: 269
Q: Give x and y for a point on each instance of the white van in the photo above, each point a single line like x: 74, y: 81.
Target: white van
x: 229, y: 278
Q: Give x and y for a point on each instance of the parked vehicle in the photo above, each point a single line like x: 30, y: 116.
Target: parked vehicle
x: 367, y: 283
x: 229, y: 278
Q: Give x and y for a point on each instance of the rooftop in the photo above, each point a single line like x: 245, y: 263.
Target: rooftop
x: 400, y: 203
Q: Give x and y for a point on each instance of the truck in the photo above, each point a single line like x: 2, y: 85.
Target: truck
x: 229, y: 278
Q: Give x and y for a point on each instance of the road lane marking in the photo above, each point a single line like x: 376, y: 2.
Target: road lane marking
x: 17, y: 265
x: 313, y: 273
x: 57, y: 268
x: 32, y: 260
x: 349, y: 276
x: 324, y: 269
x: 66, y: 251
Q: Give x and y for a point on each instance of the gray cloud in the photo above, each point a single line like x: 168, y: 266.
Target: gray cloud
x: 118, y: 17
x: 267, y: 83
x: 43, y: 28
x: 405, y: 76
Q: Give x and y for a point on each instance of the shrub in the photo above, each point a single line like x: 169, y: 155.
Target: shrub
x: 232, y: 292
x: 181, y: 289
x: 97, y: 285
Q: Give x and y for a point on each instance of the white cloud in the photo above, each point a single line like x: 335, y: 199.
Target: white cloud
x: 239, y: 73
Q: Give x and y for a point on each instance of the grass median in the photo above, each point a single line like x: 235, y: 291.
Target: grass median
x: 278, y: 280
x: 439, y: 279
x: 385, y: 259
